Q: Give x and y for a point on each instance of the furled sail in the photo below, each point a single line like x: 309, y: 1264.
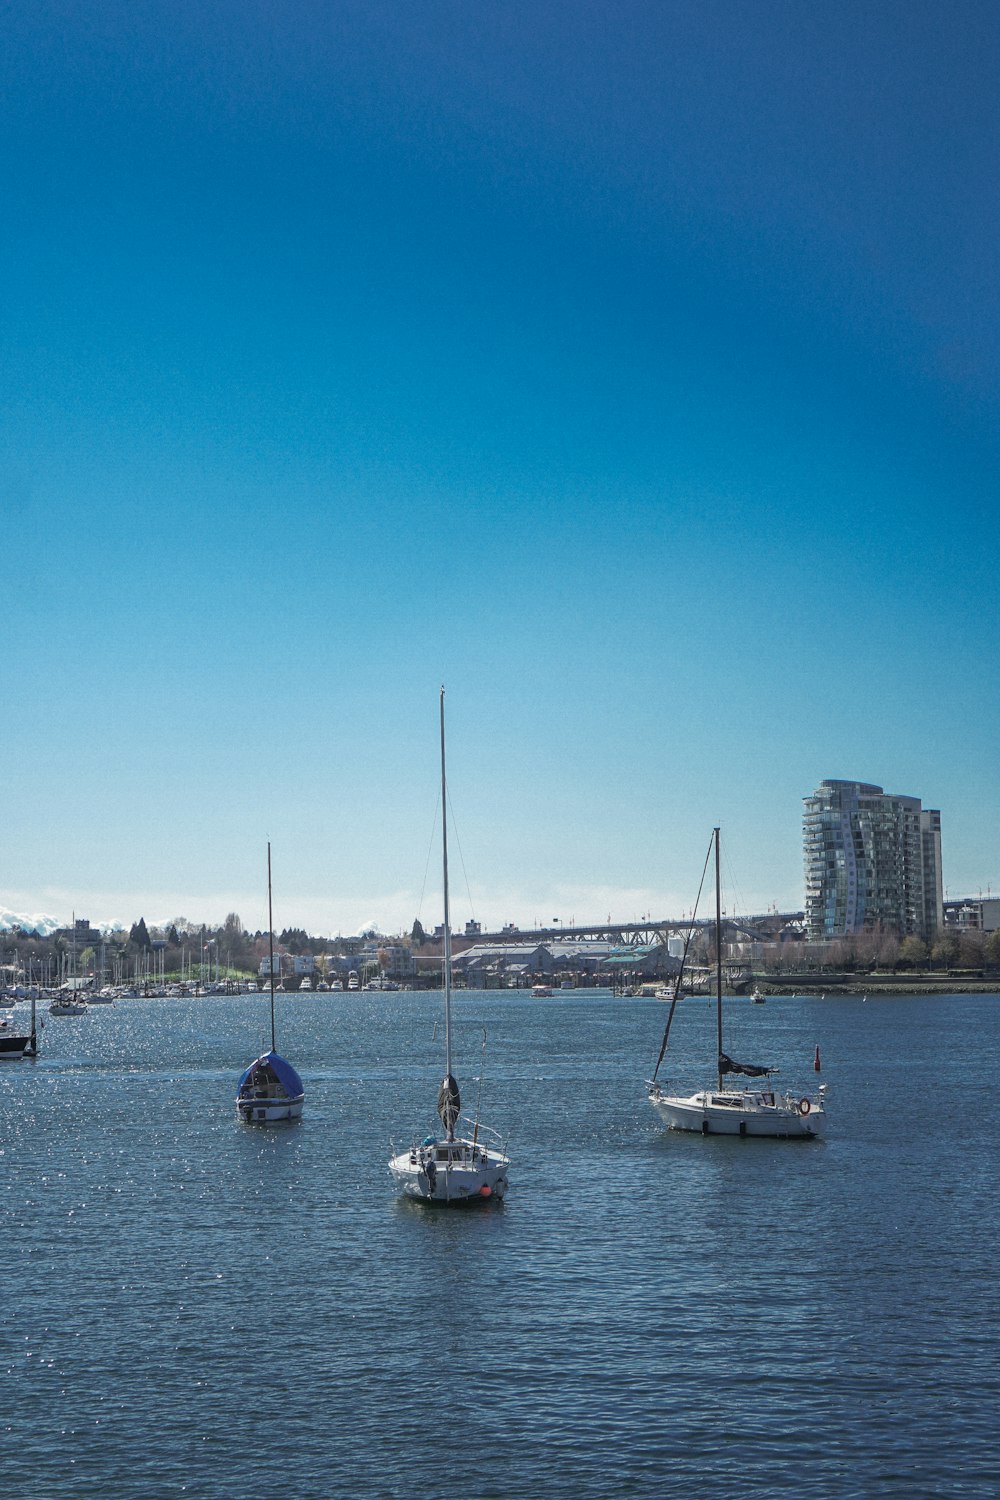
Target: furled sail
x: 749, y: 1070
x: 449, y: 1102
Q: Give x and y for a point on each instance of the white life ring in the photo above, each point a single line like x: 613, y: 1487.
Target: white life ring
x: 804, y: 1106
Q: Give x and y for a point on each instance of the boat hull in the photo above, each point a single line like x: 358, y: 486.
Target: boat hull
x: 453, y: 1173
x: 14, y: 1048
x: 743, y: 1114
x: 268, y: 1111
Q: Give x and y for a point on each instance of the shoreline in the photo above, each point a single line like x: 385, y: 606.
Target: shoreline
x: 882, y: 985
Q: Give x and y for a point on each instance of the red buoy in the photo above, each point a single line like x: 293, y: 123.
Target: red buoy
x: 816, y: 1060
x: 485, y: 1191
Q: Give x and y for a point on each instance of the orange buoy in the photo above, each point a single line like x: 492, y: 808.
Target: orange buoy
x: 485, y: 1191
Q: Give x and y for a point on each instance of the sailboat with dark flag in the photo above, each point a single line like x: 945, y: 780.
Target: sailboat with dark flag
x: 453, y: 1168
x: 270, y: 1089
x: 729, y: 1109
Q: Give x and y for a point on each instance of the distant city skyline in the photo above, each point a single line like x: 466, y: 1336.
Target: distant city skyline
x: 639, y: 382
x: 424, y: 910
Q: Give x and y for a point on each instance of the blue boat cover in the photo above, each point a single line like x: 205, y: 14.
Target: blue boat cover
x: 283, y: 1071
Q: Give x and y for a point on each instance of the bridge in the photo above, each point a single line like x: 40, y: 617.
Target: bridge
x: 641, y: 932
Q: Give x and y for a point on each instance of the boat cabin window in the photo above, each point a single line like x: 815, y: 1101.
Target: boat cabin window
x: 263, y: 1083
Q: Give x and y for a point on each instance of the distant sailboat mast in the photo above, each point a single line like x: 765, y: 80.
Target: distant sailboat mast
x: 270, y: 941
x: 718, y: 953
x: 450, y: 1123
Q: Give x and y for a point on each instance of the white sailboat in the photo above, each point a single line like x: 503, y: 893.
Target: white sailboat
x: 757, y: 1110
x: 270, y: 1089
x: 67, y: 1005
x: 456, y: 1168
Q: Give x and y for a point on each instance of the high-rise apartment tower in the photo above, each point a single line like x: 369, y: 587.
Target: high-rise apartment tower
x: 871, y: 860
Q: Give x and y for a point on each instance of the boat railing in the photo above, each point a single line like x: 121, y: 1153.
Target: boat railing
x: 484, y: 1133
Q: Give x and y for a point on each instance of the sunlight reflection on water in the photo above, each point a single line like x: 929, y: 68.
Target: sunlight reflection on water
x: 201, y: 1308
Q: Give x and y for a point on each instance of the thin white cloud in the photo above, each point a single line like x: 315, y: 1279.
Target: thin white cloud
x: 527, y: 906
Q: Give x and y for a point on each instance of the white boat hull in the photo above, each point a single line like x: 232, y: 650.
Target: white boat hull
x: 268, y: 1111
x: 731, y: 1112
x: 458, y: 1171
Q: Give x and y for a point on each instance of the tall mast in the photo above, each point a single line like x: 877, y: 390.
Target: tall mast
x: 718, y: 953
x: 447, y: 915
x: 270, y: 940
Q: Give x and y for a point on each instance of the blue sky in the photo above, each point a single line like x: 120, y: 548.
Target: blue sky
x: 634, y: 371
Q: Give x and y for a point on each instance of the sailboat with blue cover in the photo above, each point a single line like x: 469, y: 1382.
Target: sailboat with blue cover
x: 270, y: 1089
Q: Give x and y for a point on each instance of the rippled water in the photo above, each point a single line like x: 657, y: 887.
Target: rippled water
x: 198, y: 1307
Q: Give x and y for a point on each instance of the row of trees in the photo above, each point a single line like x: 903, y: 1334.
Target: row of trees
x: 230, y: 949
x: 882, y: 949
x: 180, y: 946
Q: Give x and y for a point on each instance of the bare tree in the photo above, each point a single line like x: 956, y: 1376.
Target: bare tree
x: 913, y: 951
x: 887, y: 953
x: 971, y: 950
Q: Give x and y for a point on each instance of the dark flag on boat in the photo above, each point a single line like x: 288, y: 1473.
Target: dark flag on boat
x: 449, y: 1102
x: 726, y: 1065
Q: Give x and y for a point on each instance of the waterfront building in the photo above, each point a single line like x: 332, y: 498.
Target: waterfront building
x: 872, y: 859
x: 395, y: 960
x: 930, y: 833
x: 504, y: 960
x: 973, y: 914
x: 81, y: 933
x: 572, y: 957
